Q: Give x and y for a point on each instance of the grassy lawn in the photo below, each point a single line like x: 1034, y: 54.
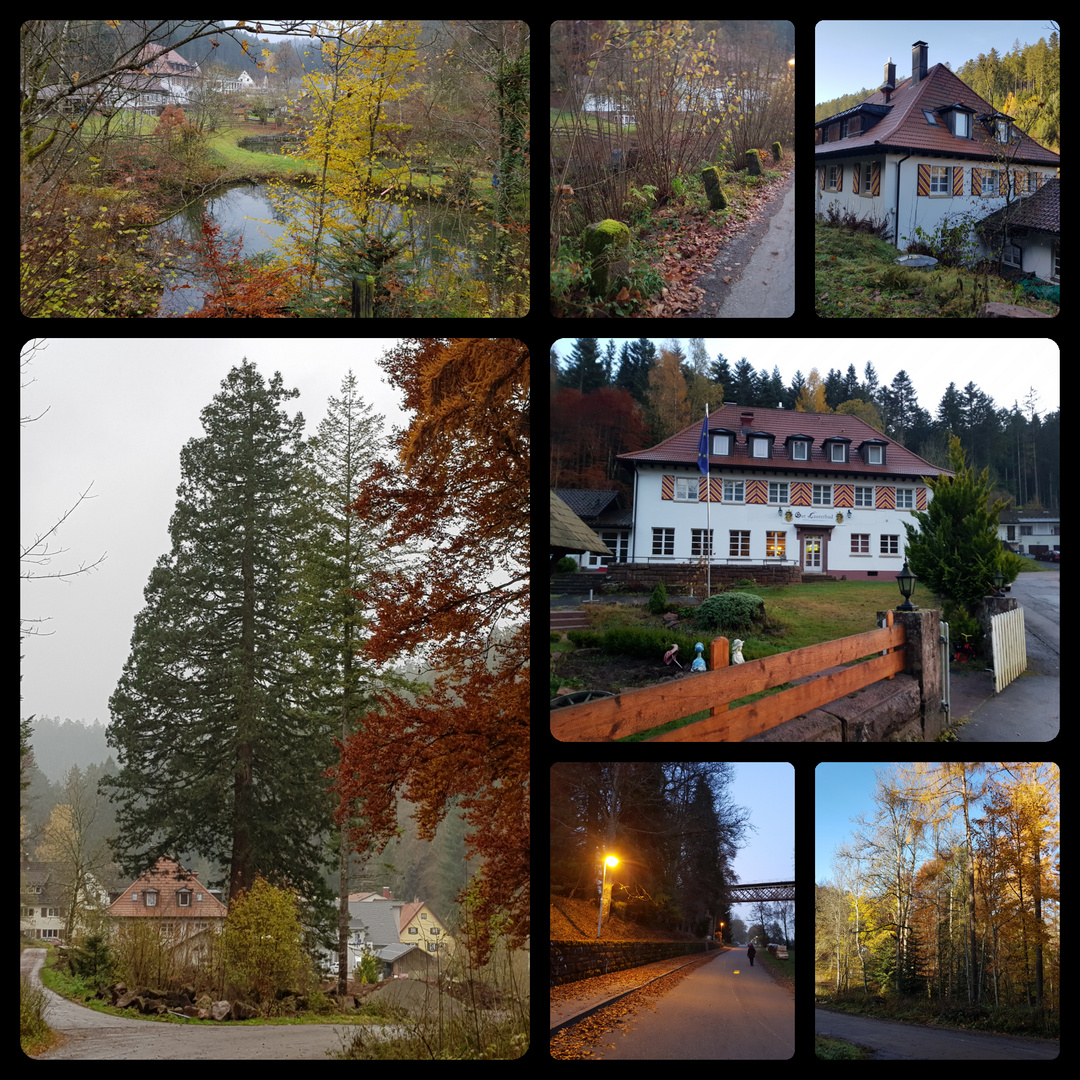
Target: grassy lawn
x: 856, y: 277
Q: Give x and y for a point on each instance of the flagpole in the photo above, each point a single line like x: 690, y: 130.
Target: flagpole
x: 708, y: 511
x: 703, y: 468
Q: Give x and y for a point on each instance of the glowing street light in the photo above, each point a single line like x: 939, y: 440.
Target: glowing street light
x: 604, y: 890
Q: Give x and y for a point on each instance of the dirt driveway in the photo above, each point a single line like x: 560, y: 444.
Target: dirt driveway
x: 93, y: 1035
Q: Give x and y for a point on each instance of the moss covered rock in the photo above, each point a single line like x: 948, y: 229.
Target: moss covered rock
x: 717, y: 198
x: 607, y: 243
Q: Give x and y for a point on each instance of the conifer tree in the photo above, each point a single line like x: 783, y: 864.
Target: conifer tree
x: 955, y: 549
x: 214, y: 756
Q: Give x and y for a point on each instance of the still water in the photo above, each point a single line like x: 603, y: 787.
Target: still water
x: 248, y: 213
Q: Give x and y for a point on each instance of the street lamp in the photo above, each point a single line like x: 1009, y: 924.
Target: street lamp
x: 906, y: 581
x: 999, y: 580
x: 609, y: 861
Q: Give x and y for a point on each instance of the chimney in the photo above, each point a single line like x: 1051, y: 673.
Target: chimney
x: 747, y: 421
x: 890, y: 79
x: 386, y: 893
x: 918, y: 62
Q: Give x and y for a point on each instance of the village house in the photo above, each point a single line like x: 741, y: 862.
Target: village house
x: 404, y: 938
x: 174, y: 899
x: 1030, y: 532
x: 926, y: 149
x: 824, y: 492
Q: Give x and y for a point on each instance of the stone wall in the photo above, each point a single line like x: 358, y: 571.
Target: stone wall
x: 573, y: 960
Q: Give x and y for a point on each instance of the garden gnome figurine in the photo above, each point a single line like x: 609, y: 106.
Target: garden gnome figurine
x: 699, y: 660
x: 736, y: 651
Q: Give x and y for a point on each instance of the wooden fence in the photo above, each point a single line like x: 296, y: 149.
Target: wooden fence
x: 639, y: 710
x: 1009, y: 646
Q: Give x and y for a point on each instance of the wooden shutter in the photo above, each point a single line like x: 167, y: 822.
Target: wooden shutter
x: 875, y: 178
x: 976, y: 181
x: 856, y: 175
x: 923, y: 185
x: 958, y: 180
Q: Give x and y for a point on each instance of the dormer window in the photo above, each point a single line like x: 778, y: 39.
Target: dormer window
x: 873, y: 455
x: 150, y: 897
x: 962, y: 125
x: 836, y: 450
x: 759, y: 444
x: 872, y: 451
x: 183, y: 898
x: 722, y: 443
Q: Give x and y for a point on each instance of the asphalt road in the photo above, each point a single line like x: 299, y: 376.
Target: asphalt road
x: 763, y: 262
x: 724, y: 1010
x: 893, y: 1041
x: 90, y: 1035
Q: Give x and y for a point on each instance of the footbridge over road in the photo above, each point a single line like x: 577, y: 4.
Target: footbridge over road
x: 767, y: 891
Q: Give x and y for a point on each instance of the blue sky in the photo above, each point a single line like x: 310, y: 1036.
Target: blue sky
x: 842, y: 791
x: 852, y: 55
x: 767, y: 790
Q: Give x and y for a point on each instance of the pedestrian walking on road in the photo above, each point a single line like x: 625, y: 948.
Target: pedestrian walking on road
x: 751, y: 953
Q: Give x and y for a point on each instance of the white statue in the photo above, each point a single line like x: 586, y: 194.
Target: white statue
x: 736, y: 651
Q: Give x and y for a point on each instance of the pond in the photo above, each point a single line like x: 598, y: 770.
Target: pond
x: 248, y: 212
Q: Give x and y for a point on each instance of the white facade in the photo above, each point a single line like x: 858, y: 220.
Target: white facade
x: 842, y: 526
x: 909, y: 191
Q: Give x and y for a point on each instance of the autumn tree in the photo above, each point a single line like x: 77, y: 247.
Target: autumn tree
x: 213, y: 755
x: 263, y: 950
x: 365, y: 69
x: 458, y: 495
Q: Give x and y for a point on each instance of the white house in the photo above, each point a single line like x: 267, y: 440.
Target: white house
x: 825, y: 491
x: 922, y: 150
x: 1030, y: 531
x: 177, y: 76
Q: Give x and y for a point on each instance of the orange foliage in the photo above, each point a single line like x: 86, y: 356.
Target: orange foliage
x: 460, y: 494
x: 239, y: 291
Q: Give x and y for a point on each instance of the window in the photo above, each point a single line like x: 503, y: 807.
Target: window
x: 800, y: 450
x: 434, y: 929
x: 183, y: 898
x: 151, y: 897
x: 991, y: 182
x: 414, y: 929
x: 940, y: 179
x: 1010, y: 255
x: 864, y: 496
x: 822, y: 495
x: 1002, y: 130
x: 135, y: 897
x: 930, y: 118
x: 739, y: 542
x: 890, y: 545
x: 905, y: 498
x: 836, y: 452
x: 721, y: 445
x: 962, y: 125
x: 833, y: 179
x: 775, y: 545
x: 760, y: 447
x: 860, y: 543
x: 873, y: 455
x: 778, y: 491
x: 733, y: 490
x: 867, y: 185
x: 697, y: 543
x: 663, y: 541
x: 686, y: 489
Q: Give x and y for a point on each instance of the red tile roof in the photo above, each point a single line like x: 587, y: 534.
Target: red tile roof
x: 681, y: 448
x: 905, y: 127
x: 168, y: 877
x: 1040, y: 212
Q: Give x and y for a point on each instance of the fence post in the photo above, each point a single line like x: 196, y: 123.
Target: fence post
x: 718, y: 658
x: 363, y: 296
x: 922, y: 658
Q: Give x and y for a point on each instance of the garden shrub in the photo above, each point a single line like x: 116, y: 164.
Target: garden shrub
x: 736, y: 611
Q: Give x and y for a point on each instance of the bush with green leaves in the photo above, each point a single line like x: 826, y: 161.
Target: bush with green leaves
x: 734, y: 611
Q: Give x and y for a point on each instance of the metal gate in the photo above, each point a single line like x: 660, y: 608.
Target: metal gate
x: 1010, y: 648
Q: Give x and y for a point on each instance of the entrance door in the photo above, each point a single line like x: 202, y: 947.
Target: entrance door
x: 812, y: 554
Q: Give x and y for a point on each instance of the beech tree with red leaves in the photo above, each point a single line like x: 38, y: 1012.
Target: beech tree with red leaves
x: 457, y: 497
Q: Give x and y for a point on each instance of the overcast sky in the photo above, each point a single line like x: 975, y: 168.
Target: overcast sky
x: 119, y: 412
x: 1004, y: 372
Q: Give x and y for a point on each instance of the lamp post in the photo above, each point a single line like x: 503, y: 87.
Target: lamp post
x: 610, y: 860
x: 906, y: 581
x: 999, y: 580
